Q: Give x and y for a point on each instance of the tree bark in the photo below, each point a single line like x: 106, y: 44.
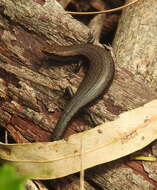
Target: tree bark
x: 138, y: 27
x: 31, y: 90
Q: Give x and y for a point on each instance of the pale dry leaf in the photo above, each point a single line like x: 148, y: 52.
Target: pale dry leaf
x: 132, y: 131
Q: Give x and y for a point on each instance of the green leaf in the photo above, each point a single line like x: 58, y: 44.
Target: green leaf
x: 10, y: 179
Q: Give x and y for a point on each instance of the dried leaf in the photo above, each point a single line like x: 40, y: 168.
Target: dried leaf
x: 132, y: 131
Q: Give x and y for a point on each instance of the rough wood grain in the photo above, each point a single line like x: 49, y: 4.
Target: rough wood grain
x: 138, y: 27
x: 135, y: 49
x: 46, y: 18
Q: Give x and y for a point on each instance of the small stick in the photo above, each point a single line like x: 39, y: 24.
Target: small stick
x: 81, y: 165
x: 102, y: 12
x: 6, y: 137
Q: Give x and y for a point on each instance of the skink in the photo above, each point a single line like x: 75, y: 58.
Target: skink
x: 96, y: 80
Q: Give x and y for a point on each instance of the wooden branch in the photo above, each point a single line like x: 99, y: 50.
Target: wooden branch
x: 134, y: 46
x: 138, y: 27
x: 46, y: 19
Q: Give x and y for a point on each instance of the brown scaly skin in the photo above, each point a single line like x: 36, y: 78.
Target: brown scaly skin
x: 96, y: 80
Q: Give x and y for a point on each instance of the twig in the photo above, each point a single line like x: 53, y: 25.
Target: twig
x: 6, y: 137
x: 102, y: 12
x: 81, y: 163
